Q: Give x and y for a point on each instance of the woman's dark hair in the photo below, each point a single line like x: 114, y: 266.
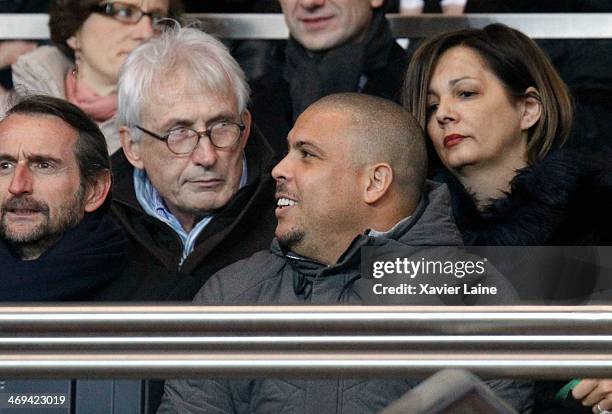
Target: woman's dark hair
x: 518, y: 62
x: 67, y: 16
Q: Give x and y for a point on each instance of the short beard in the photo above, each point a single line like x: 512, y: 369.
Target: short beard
x: 291, y: 239
x: 33, y: 243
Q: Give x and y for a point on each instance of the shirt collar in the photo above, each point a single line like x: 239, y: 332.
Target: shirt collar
x: 152, y: 202
x: 375, y: 233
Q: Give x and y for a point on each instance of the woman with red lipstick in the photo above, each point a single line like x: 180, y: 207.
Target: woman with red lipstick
x: 92, y: 39
x: 497, y: 114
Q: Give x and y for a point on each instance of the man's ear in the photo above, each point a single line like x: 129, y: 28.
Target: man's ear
x: 378, y: 179
x: 131, y: 148
x: 96, y: 193
x: 375, y: 4
x: 532, y: 108
x: 246, y: 121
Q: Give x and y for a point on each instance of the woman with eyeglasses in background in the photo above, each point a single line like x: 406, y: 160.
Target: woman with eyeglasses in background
x: 92, y: 40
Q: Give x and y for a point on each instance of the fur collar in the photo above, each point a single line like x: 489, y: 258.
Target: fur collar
x: 565, y: 199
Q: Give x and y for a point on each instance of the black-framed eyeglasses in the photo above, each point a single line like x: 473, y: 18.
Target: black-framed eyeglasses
x: 127, y: 13
x: 182, y: 140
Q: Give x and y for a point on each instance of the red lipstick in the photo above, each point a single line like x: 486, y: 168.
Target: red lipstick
x: 452, y: 140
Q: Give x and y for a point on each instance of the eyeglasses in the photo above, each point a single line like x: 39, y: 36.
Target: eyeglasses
x: 182, y: 140
x: 127, y: 13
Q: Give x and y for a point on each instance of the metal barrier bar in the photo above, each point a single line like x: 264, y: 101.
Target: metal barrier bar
x: 595, y: 320
x: 303, y: 342
x: 301, y: 365
x: 534, y: 25
x: 272, y: 26
x: 537, y: 26
x: 372, y: 343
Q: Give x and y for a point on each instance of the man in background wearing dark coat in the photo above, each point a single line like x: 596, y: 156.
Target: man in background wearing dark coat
x: 193, y: 187
x: 57, y: 240
x: 334, y: 46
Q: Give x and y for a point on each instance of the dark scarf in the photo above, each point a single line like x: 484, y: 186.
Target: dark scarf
x: 312, y: 75
x: 563, y: 199
x: 84, y: 260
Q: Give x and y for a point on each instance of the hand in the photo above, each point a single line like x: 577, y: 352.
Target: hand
x: 10, y: 50
x: 596, y: 393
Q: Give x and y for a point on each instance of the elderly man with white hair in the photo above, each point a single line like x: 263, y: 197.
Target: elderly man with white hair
x: 192, y: 184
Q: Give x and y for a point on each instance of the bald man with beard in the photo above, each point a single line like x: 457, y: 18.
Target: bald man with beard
x: 354, y: 179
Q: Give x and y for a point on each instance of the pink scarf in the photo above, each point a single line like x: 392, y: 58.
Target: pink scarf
x: 98, y: 107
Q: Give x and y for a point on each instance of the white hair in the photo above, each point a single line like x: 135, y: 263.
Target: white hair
x: 207, y: 61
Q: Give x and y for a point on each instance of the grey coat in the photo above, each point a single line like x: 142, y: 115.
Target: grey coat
x: 284, y: 278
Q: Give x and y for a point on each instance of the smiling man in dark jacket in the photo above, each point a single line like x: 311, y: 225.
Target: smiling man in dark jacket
x: 353, y: 180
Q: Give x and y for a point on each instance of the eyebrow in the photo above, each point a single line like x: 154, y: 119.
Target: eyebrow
x: 43, y: 157
x: 138, y: 4
x: 301, y: 144
x: 188, y: 122
x: 160, y: 10
x: 453, y: 82
x: 32, y: 158
x: 7, y: 157
x: 457, y: 80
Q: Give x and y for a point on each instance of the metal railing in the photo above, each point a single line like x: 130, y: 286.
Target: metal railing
x: 272, y: 26
x: 303, y: 342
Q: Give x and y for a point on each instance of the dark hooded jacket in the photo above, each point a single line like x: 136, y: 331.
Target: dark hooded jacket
x: 245, y: 225
x: 279, y: 277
